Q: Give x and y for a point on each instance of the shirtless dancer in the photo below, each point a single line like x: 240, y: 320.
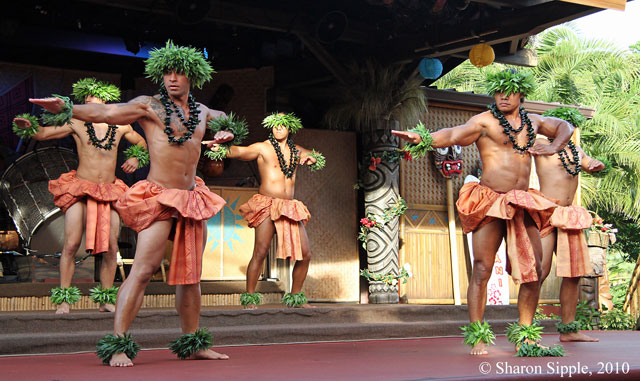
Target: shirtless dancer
x: 563, y: 235
x: 85, y: 195
x: 171, y: 203
x: 495, y: 208
x: 273, y: 209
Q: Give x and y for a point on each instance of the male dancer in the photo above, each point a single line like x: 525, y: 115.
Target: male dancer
x: 85, y: 195
x: 495, y: 207
x: 172, y: 202
x: 563, y: 234
x: 273, y: 209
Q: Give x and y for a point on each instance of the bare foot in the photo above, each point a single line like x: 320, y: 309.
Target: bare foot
x: 479, y: 349
x: 250, y: 307
x: 120, y: 359
x: 107, y: 308
x: 577, y: 336
x: 63, y: 308
x: 208, y: 354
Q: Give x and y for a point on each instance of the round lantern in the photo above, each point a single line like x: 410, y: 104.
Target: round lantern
x: 430, y: 68
x: 481, y: 55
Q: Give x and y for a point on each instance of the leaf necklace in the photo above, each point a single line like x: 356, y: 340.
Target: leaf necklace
x: 293, y: 160
x: 93, y: 139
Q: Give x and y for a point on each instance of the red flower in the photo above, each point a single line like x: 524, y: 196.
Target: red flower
x: 364, y: 221
x: 604, y: 229
x: 374, y: 163
x: 407, y: 156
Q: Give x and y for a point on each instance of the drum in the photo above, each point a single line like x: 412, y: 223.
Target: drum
x: 25, y: 192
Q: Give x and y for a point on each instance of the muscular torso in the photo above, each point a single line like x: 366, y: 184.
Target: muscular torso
x: 555, y: 182
x: 95, y: 164
x: 173, y: 165
x: 503, y: 168
x: 273, y: 182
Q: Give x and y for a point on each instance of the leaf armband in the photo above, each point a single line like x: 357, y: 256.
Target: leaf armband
x: 190, y: 343
x: 229, y: 123
x: 60, y: 119
x: 477, y: 332
x: 139, y: 153
x: 112, y: 344
x: 420, y: 149
x: 69, y: 295
x: 320, y: 160
x: 26, y: 133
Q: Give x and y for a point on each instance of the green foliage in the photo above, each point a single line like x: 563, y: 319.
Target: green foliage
x: 69, y: 295
x: 572, y: 327
x: 294, y: 300
x: 247, y: 299
x: 477, y: 332
x: 320, y: 161
x: 420, y: 149
x: 517, y: 333
x: 102, y: 296
x: 569, y: 114
x: 620, y: 267
x: 26, y: 133
x: 376, y: 92
x: 617, y: 320
x: 229, y: 123
x: 535, y: 350
x: 191, y: 343
x: 290, y: 121
x: 180, y: 59
x: 111, y: 345
x: 398, y: 208
x: 390, y: 278
x: 586, y: 316
x: 138, y: 152
x: 99, y: 89
x: 541, y: 316
x: 510, y: 81
x: 60, y: 119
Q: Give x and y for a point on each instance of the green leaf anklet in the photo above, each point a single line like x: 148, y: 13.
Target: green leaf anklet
x: 477, y: 332
x: 69, y: 295
x: 572, y: 327
x: 294, y: 300
x: 191, y: 343
x: 247, y: 299
x: 102, y: 296
x: 112, y: 344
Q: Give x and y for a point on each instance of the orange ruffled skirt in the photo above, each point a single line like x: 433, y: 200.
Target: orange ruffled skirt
x: 286, y: 216
x: 147, y: 202
x: 479, y: 205
x: 69, y: 189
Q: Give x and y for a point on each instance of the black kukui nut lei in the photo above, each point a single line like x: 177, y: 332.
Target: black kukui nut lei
x: 566, y: 162
x: 169, y: 108
x: 511, y: 132
x: 293, y: 160
x: 111, y: 135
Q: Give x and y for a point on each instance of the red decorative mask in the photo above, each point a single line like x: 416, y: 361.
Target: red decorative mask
x: 448, y: 160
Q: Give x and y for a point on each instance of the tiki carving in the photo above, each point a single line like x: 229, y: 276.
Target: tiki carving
x: 448, y: 161
x: 380, y: 191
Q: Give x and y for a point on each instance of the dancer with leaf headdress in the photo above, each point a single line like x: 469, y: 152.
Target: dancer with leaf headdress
x: 86, y: 195
x: 171, y: 203
x: 500, y: 205
x: 273, y: 209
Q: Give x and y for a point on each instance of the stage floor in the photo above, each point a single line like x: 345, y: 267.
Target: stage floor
x: 616, y: 356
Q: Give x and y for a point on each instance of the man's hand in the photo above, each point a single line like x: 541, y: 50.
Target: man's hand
x: 22, y: 123
x: 308, y: 160
x: 595, y: 165
x: 53, y: 105
x: 222, y: 137
x: 211, y: 144
x: 130, y: 165
x: 410, y: 137
x: 540, y: 148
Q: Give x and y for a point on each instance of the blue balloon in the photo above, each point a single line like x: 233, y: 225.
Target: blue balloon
x: 430, y: 68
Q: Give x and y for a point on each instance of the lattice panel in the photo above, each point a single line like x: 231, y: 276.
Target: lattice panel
x: 420, y: 181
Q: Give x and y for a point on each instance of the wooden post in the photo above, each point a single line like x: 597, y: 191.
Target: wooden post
x: 455, y: 273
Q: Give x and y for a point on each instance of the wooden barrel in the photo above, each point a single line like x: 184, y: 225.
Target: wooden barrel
x: 9, y: 240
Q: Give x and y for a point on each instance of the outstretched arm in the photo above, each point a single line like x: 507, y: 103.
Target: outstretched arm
x: 45, y: 132
x: 462, y: 135
x: 557, y: 129
x: 133, y: 163
x: 249, y: 153
x: 588, y: 163
x: 119, y: 113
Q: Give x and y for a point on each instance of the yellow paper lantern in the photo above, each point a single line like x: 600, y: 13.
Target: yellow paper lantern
x: 481, y: 55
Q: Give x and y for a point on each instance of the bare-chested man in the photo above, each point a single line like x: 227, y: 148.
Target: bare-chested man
x: 495, y: 208
x: 171, y: 203
x: 273, y: 209
x: 85, y: 195
x: 563, y: 234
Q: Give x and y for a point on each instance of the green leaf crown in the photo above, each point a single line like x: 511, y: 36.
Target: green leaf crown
x: 289, y: 121
x: 510, y: 81
x: 99, y: 89
x: 181, y: 59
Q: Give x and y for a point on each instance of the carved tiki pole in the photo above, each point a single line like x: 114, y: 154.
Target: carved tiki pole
x: 380, y: 191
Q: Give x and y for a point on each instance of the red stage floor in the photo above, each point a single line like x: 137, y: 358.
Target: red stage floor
x: 616, y: 356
